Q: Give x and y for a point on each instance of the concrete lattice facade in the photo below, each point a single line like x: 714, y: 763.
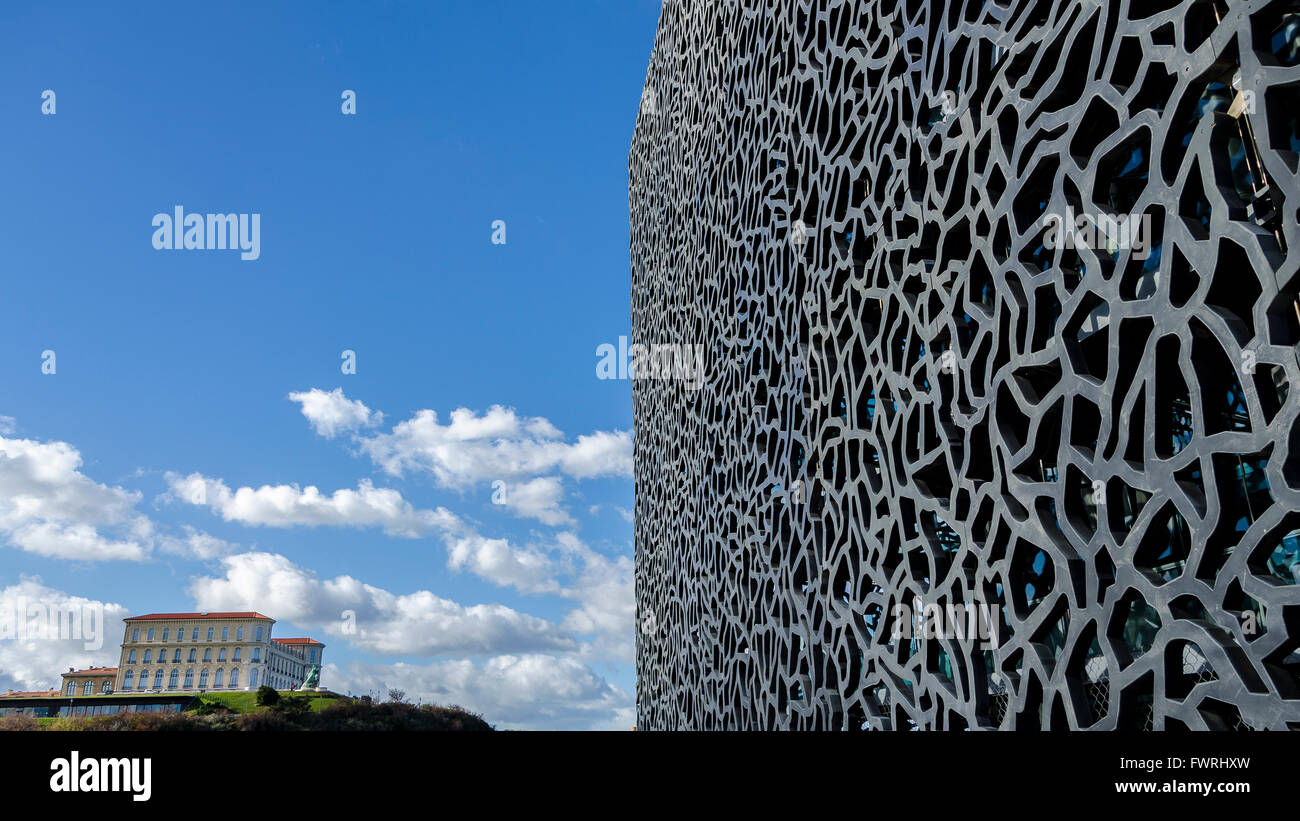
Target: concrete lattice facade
x: 913, y: 392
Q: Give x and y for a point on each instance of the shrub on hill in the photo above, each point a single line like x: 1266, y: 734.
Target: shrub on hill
x: 360, y: 715
x: 267, y: 696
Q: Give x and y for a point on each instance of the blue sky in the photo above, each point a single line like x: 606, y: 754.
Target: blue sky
x: 174, y: 368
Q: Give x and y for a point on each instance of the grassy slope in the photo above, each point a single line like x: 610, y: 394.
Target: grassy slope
x: 247, y: 702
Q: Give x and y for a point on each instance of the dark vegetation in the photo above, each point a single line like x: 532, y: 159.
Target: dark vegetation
x: 269, y: 710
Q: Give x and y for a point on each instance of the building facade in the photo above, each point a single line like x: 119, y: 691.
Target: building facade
x: 291, y: 661
x: 1000, y: 426
x: 210, y: 651
x: 53, y: 704
x: 92, y: 681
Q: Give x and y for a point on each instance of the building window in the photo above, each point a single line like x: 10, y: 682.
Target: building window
x: 173, y: 678
x: 130, y: 657
x: 176, y: 657
x: 252, y: 678
x: 150, y: 634
x: 192, y: 652
x: 259, y: 632
x: 235, y: 656
x: 87, y: 688
x: 135, y: 634
x: 147, y: 654
x: 216, y: 682
x: 221, y: 654
x: 257, y: 654
x: 203, y: 679
x: 234, y: 678
x: 107, y: 688
x: 313, y: 655
x: 144, y: 679
x: 194, y: 634
x: 225, y: 634
x: 157, y: 679
x: 210, y: 629
x: 239, y: 634
x: 129, y: 680
x: 72, y: 688
x: 166, y: 630
x: 189, y: 679
x: 207, y: 654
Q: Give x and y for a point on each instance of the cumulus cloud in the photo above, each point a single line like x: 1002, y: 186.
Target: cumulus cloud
x: 604, y: 590
x: 418, y: 623
x: 499, y: 444
x: 518, y: 692
x: 62, y: 540
x: 31, y: 658
x: 603, y: 453
x: 47, y: 506
x: 601, y: 586
x: 538, y: 499
x: 499, y: 562
x: 625, y: 514
x: 292, y: 506
x: 197, y: 545
x: 332, y: 413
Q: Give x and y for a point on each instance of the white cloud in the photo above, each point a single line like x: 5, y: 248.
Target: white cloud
x: 623, y: 512
x: 33, y: 658
x: 7, y: 425
x: 332, y: 413
x: 291, y: 506
x: 519, y: 692
x: 418, y: 623
x: 197, y: 544
x: 605, y: 593
x: 538, y: 499
x: 603, y: 453
x: 497, y: 561
x: 497, y: 445
x: 62, y: 540
x: 47, y: 506
x: 602, y: 587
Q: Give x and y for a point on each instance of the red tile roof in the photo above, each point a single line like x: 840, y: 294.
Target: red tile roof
x: 299, y: 641
x: 240, y: 615
x: 92, y: 671
x: 28, y: 693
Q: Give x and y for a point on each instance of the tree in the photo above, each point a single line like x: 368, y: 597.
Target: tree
x: 397, y: 695
x: 294, y: 705
x: 267, y: 696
